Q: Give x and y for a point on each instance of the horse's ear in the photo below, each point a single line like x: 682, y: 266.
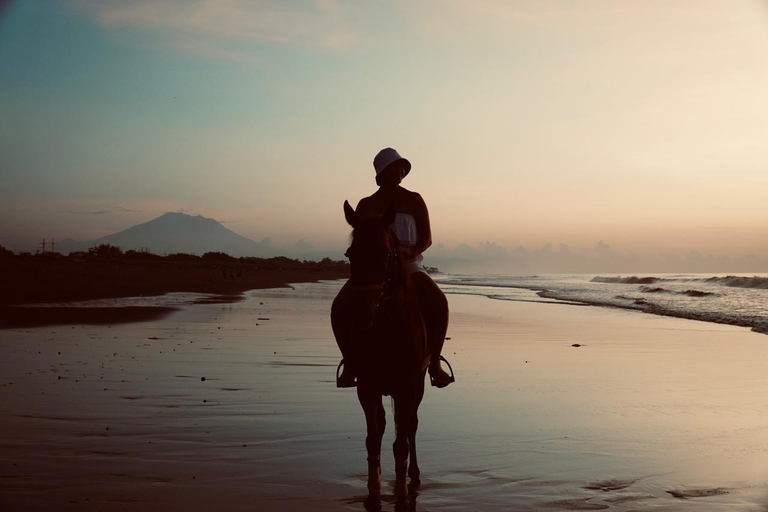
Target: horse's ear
x: 351, y: 215
x: 389, y: 215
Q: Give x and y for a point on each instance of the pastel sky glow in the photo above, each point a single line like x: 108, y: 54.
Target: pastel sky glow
x: 641, y: 124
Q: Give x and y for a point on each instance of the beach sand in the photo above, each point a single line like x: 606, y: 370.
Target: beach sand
x: 232, y: 406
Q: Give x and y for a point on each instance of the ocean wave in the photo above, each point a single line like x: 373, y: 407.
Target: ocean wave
x: 740, y: 281
x: 626, y: 280
x: 731, y: 281
x: 696, y: 297
x: 755, y: 323
x: 689, y: 293
x: 697, y: 293
x: 654, y: 289
x: 633, y: 300
x: 486, y: 283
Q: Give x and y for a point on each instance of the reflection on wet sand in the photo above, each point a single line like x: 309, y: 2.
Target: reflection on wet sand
x: 607, y: 497
x: 16, y: 317
x: 376, y: 502
x: 210, y: 405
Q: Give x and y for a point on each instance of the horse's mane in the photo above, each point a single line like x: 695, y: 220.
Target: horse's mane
x: 371, y: 224
x: 372, y: 229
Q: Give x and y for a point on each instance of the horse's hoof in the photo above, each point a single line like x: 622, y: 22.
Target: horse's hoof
x: 414, y: 476
x: 374, y: 487
x: 372, y: 503
x: 374, y: 480
x: 401, y: 486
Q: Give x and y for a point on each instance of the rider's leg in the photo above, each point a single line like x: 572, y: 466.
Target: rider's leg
x: 341, y: 323
x: 434, y: 308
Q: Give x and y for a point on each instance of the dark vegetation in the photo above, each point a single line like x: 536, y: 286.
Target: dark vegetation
x: 108, y: 271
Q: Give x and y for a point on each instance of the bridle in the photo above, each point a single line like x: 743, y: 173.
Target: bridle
x: 393, y: 267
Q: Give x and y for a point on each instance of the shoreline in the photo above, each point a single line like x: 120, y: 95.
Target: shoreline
x: 59, y: 282
x: 655, y: 310
x: 65, y: 280
x: 20, y: 317
x: 717, y: 315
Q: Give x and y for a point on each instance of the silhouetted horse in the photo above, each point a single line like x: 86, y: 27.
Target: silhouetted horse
x: 388, y: 346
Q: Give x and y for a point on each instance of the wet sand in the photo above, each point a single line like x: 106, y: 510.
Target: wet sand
x: 233, y: 406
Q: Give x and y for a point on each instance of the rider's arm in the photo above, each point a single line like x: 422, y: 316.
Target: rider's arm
x: 421, y: 216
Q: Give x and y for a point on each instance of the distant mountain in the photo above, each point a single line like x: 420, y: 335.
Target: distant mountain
x: 178, y: 232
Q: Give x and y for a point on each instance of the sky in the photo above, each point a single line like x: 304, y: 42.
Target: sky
x: 638, y: 126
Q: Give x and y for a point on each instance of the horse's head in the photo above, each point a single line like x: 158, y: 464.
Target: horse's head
x: 373, y: 257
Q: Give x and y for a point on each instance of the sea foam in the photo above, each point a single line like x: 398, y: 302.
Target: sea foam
x: 732, y: 300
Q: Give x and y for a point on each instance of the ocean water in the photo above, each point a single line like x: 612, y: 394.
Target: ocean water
x: 727, y: 299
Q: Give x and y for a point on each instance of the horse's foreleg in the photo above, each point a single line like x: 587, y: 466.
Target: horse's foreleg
x: 403, y: 420
x: 413, y: 468
x: 374, y: 448
x: 413, y: 471
x: 375, y: 422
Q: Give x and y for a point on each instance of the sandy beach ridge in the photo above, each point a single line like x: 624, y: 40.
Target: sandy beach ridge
x: 31, y: 280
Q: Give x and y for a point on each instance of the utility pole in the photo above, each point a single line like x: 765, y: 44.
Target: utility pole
x: 53, y: 245
x: 43, y: 244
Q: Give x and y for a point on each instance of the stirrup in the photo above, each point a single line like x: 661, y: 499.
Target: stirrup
x: 451, y: 378
x: 340, y: 384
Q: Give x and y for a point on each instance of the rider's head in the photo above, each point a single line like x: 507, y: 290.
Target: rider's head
x: 390, y: 167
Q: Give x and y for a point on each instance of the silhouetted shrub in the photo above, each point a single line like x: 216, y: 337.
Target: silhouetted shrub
x: 48, y: 255
x: 143, y: 254
x: 217, y: 256
x: 180, y: 256
x: 5, y: 253
x: 105, y: 251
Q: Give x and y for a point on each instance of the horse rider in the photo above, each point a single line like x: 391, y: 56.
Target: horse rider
x: 412, y: 228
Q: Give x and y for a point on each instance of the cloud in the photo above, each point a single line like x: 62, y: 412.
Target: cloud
x: 445, y: 16
x: 302, y: 245
x: 211, y: 50
x: 493, y: 250
x: 228, y: 29
x: 115, y: 209
x: 97, y: 212
x: 490, y: 257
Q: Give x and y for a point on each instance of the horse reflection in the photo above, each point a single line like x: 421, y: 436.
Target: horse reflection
x: 388, y: 349
x: 374, y: 502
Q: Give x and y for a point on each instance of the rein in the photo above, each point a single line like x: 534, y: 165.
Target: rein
x: 393, y: 270
x: 393, y: 267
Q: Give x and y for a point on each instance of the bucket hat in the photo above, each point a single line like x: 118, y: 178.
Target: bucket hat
x: 387, y: 157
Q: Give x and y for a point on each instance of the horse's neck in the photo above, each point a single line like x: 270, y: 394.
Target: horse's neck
x: 400, y: 282
x: 400, y: 275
